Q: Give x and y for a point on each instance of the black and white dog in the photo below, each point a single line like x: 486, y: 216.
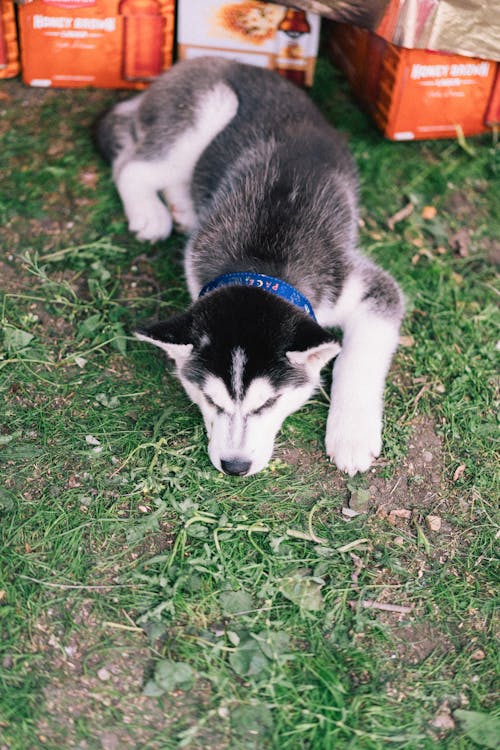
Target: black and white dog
x: 241, y: 160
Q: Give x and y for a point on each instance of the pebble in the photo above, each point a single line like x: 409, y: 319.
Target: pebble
x: 433, y: 523
x: 109, y: 741
x: 478, y: 655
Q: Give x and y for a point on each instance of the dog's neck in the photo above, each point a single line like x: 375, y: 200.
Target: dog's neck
x: 266, y: 283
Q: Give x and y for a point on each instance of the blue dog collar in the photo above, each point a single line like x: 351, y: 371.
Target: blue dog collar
x: 261, y: 281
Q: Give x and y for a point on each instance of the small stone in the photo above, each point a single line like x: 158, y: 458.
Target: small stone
x: 109, y: 741
x: 399, y: 541
x: 433, y: 523
x: 478, y: 655
x: 427, y: 456
x: 398, y: 513
x: 103, y: 674
x: 444, y: 722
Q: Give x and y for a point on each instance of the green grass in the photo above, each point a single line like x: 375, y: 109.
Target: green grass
x: 237, y: 601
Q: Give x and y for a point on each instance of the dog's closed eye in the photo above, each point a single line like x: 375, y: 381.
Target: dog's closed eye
x: 215, y: 406
x: 266, y: 405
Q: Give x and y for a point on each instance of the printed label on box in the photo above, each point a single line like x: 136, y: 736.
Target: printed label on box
x: 105, y: 43
x: 259, y: 33
x: 414, y: 93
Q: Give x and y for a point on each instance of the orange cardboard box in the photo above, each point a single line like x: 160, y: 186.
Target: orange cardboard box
x: 101, y: 43
x: 414, y: 93
x: 493, y: 111
x: 9, y: 51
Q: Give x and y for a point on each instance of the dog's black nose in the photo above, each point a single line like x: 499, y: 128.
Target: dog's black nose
x: 235, y: 466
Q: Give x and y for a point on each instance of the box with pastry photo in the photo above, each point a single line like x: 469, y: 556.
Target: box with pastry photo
x: 259, y: 33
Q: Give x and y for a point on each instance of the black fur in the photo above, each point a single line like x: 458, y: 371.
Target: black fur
x: 252, y: 310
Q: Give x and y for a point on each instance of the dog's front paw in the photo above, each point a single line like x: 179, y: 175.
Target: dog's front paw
x: 353, y: 441
x: 150, y: 222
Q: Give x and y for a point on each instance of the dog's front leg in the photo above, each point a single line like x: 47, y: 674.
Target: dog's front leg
x: 354, y: 427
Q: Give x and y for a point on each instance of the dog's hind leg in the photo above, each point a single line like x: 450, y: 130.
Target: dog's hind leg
x: 146, y: 174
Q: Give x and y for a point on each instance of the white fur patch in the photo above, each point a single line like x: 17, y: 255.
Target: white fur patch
x: 178, y: 352
x: 139, y: 182
x: 238, y: 367
x: 259, y: 392
x: 329, y: 315
x: 217, y: 392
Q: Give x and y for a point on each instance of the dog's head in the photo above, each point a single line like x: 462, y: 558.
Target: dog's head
x: 248, y: 359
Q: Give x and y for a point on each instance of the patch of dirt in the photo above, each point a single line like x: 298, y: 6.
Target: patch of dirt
x: 14, y: 279
x: 414, y: 642
x: 418, y: 481
x: 94, y: 679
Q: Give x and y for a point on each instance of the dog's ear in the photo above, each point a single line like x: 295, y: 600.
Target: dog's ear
x: 173, y: 336
x: 312, y: 348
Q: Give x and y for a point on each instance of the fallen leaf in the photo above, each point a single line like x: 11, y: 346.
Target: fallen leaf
x: 349, y: 512
x: 459, y: 471
x: 304, y: 591
x: 406, y: 341
x: 359, y: 499
x: 429, y: 212
x: 15, y: 340
x: 480, y: 727
x: 236, y: 602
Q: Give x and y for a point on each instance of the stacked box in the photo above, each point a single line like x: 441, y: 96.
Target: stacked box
x: 9, y: 51
x: 414, y: 93
x: 103, y: 43
x: 493, y: 111
x: 259, y: 33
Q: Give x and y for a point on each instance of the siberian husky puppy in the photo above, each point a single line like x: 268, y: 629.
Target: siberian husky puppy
x: 242, y: 161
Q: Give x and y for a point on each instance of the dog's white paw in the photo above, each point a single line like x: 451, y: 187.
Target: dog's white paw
x: 150, y: 222
x: 353, y: 440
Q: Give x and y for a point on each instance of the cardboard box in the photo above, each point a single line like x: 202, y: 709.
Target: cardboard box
x: 413, y: 93
x: 464, y: 27
x: 493, y: 111
x: 102, y: 43
x: 258, y: 33
x: 9, y: 51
